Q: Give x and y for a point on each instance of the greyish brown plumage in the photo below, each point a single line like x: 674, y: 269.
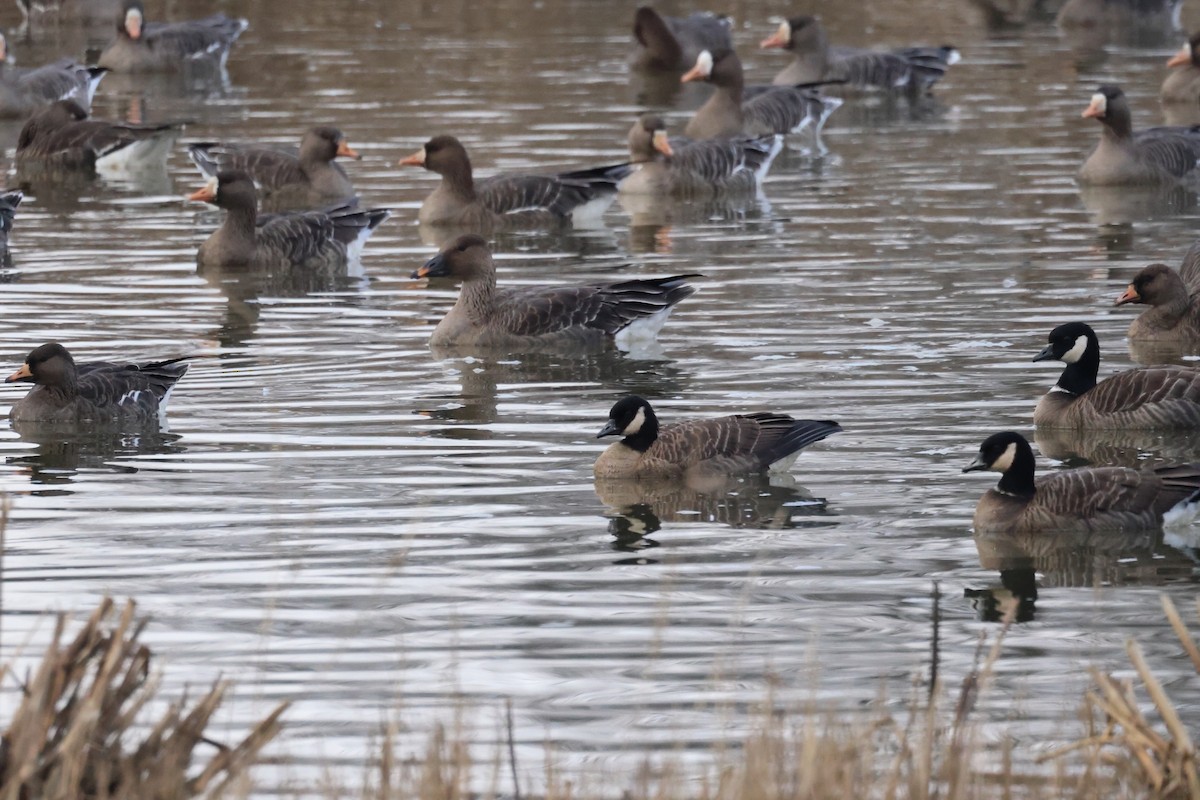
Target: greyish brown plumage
x: 1089, y: 500
x: 62, y: 138
x: 730, y: 114
x: 534, y: 316
x: 8, y: 211
x: 1182, y: 84
x: 326, y: 238
x: 91, y: 392
x: 912, y: 70
x: 23, y: 90
x: 143, y: 46
x: 1150, y: 397
x: 1123, y: 157
x: 1173, y: 299
x: 288, y: 179
x: 672, y: 43
x: 737, y: 443
x: 508, y: 200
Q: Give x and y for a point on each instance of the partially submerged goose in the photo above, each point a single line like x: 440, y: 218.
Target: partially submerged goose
x: 63, y: 138
x: 1182, y: 85
x: 1088, y: 500
x: 532, y: 316
x: 26, y: 89
x: 1123, y: 157
x: 913, y: 70
x: 508, y: 200
x: 672, y: 43
x: 287, y: 179
x: 1174, y: 300
x: 737, y: 443
x: 695, y: 169
x: 326, y: 238
x: 1145, y: 398
x: 143, y: 46
x: 729, y: 115
x: 94, y: 391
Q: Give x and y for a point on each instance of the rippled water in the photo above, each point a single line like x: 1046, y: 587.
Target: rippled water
x: 342, y: 518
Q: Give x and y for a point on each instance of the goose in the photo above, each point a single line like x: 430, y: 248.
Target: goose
x: 1154, y: 155
x: 1145, y: 398
x: 143, y: 46
x: 1174, y: 300
x: 63, y: 138
x: 1182, y: 85
x: 529, y: 316
x: 23, y: 90
x: 694, y: 169
x: 92, y: 392
x: 738, y: 443
x: 672, y: 43
x: 9, y: 201
x: 508, y: 200
x: 1088, y: 500
x: 913, y: 69
x: 728, y: 115
x: 287, y: 179
x: 328, y: 238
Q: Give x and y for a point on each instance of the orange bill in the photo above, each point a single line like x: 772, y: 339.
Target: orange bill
x: 205, y: 194
x: 22, y: 374
x: 1095, y: 110
x: 776, y: 39
x: 696, y: 73
x: 1130, y: 295
x: 417, y: 159
x: 661, y: 144
x: 421, y: 271
x: 346, y: 150
x: 1184, y: 56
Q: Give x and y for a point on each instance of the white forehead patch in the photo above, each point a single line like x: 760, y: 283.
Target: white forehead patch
x: 1076, y: 351
x: 704, y: 63
x: 636, y: 423
x: 1005, y: 461
x: 785, y: 31
x: 1100, y: 102
x: 133, y: 15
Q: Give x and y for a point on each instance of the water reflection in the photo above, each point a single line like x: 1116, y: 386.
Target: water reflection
x: 1123, y: 448
x: 1123, y: 205
x: 1016, y: 595
x: 63, y: 451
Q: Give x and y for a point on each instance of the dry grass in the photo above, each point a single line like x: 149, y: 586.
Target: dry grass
x: 80, y: 731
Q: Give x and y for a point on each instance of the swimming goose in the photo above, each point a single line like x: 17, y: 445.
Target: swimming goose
x: 738, y: 443
x: 672, y: 43
x: 143, y: 46
x: 728, y: 115
x: 287, y: 179
x: 1174, y: 313
x: 62, y: 138
x: 8, y: 210
x: 1088, y: 500
x: 529, y: 316
x: 328, y: 238
x: 913, y: 69
x: 502, y: 200
x: 92, y: 392
x: 1149, y: 397
x: 1182, y: 85
x: 26, y: 89
x: 1154, y: 155
x: 695, y: 169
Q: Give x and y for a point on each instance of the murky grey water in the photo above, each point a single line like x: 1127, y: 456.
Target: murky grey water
x: 343, y: 518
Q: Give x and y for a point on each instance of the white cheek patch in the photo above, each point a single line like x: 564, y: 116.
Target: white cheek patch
x: 704, y: 63
x: 635, y: 425
x: 1005, y: 461
x: 1100, y: 103
x: 1076, y: 352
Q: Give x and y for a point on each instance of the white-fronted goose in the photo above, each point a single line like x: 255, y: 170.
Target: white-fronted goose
x: 1182, y: 85
x: 26, y: 89
x: 1174, y: 300
x: 1160, y: 397
x: 672, y: 43
x: 508, y: 200
x: 1155, y: 155
x: 912, y: 69
x: 1088, y: 500
x: 532, y: 316
x: 92, y: 392
x: 695, y: 169
x: 326, y: 238
x: 287, y: 179
x: 737, y: 443
x: 8, y: 211
x: 143, y: 46
x: 775, y: 110
x: 62, y: 138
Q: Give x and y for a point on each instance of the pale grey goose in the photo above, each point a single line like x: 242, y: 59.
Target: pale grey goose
x: 1182, y: 85
x: 738, y: 443
x: 1160, y: 397
x: 695, y: 169
x: 328, y: 238
x: 508, y: 200
x: 912, y: 69
x: 287, y: 179
x: 672, y: 43
x: 1088, y: 500
x: 62, y: 138
x: 26, y: 89
x: 94, y: 391
x: 531, y: 316
x: 1174, y: 300
x: 729, y: 115
x: 143, y: 46
x: 1123, y: 157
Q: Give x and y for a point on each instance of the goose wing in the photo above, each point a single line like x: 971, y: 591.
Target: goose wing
x: 58, y: 81
x: 1168, y: 396
x: 142, y: 386
x: 1189, y: 268
x: 1175, y: 150
x: 194, y: 38
x: 558, y: 194
x: 716, y: 163
x: 298, y: 237
x: 1106, y: 498
x: 536, y: 311
x: 269, y: 167
x: 737, y: 443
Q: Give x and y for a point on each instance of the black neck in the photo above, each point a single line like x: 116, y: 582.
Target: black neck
x: 1079, y: 377
x: 645, y: 436
x: 1018, y: 480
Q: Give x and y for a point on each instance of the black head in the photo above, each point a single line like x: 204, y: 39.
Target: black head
x: 998, y: 452
x: 1069, y: 343
x: 633, y: 418
x: 465, y: 258
x: 48, y: 364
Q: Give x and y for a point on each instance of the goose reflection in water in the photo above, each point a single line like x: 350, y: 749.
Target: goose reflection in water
x: 1118, y: 448
x: 66, y: 450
